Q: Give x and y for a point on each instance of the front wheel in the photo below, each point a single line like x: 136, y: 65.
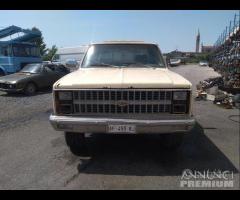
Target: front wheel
x: 2, y: 73
x: 172, y: 141
x: 30, y: 89
x: 75, y: 142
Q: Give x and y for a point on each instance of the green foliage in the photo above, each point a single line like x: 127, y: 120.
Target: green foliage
x: 40, y: 43
x: 46, y: 53
x: 50, y: 53
x: 197, y: 58
x: 205, y: 56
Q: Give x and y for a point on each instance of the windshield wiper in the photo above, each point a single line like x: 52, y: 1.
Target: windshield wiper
x: 102, y: 64
x: 145, y: 65
x: 126, y: 64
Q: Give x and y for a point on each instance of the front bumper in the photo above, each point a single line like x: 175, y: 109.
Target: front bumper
x: 100, y: 125
x: 11, y: 90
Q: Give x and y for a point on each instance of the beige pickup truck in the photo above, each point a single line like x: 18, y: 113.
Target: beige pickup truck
x: 122, y: 88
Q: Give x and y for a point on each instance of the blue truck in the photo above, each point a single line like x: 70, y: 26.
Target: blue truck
x: 16, y: 52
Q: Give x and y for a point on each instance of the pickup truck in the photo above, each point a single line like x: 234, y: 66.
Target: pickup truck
x: 122, y: 88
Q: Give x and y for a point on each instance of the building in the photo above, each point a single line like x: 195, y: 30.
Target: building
x: 207, y: 49
x: 176, y: 54
x: 198, y: 42
x: 181, y: 54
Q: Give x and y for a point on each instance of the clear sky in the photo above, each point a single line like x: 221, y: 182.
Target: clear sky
x: 170, y: 29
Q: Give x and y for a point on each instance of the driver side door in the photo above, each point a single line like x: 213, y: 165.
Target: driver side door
x: 49, y: 76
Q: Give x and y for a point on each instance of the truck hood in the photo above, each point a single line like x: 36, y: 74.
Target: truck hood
x: 122, y: 78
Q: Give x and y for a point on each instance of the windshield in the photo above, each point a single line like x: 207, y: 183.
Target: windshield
x: 32, y: 68
x: 123, y: 55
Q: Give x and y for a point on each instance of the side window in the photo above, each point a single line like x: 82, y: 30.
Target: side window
x: 47, y: 68
x: 25, y: 51
x: 16, y: 51
x: 34, y: 51
x: 5, y: 51
x: 20, y: 51
x: 51, y: 67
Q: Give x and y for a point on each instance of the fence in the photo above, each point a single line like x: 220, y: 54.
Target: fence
x: 226, y: 54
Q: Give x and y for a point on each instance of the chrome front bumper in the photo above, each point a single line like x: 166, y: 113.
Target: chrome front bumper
x: 100, y: 125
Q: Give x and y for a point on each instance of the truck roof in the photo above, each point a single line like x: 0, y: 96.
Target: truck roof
x: 124, y: 42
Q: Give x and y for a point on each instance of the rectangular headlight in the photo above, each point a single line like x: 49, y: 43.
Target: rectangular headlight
x: 180, y: 95
x: 65, y: 96
x: 11, y: 86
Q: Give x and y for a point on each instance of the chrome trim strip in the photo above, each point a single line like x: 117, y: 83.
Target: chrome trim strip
x: 99, y: 125
x: 121, y: 89
x: 85, y: 120
x: 103, y: 102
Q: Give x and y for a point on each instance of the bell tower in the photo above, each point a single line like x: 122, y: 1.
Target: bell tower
x: 198, y: 42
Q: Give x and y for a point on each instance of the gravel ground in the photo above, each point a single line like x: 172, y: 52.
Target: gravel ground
x: 34, y: 156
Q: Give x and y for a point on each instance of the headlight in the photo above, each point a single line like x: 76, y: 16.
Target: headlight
x: 180, y: 95
x: 65, y: 95
x: 11, y: 86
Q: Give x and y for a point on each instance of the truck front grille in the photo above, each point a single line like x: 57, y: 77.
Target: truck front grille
x: 122, y: 101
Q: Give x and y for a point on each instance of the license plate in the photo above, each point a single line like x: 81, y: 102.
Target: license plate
x: 121, y: 128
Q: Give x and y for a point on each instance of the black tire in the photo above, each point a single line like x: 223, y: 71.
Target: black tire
x: 1, y: 73
x: 30, y: 89
x: 75, y: 142
x: 172, y: 142
x: 10, y: 93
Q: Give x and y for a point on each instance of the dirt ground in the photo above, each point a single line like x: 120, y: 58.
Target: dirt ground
x: 34, y: 156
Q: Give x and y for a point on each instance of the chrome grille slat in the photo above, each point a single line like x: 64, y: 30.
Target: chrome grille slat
x: 165, y: 93
x: 137, y: 101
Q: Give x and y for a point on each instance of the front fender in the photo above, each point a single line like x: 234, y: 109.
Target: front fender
x: 23, y: 82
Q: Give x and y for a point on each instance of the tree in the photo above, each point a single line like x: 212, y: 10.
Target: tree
x: 40, y: 43
x: 46, y: 53
x: 50, y: 53
x: 204, y: 56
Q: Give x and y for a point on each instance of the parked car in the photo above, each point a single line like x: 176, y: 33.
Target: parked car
x: 203, y: 63
x: 32, y: 77
x: 71, y: 63
x: 122, y: 88
x: 46, y: 62
x: 175, y: 62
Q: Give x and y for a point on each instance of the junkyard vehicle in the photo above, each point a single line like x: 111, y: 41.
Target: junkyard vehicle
x: 32, y: 77
x: 122, y: 87
x: 175, y: 62
x: 18, y: 51
x: 71, y: 63
x: 203, y: 63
